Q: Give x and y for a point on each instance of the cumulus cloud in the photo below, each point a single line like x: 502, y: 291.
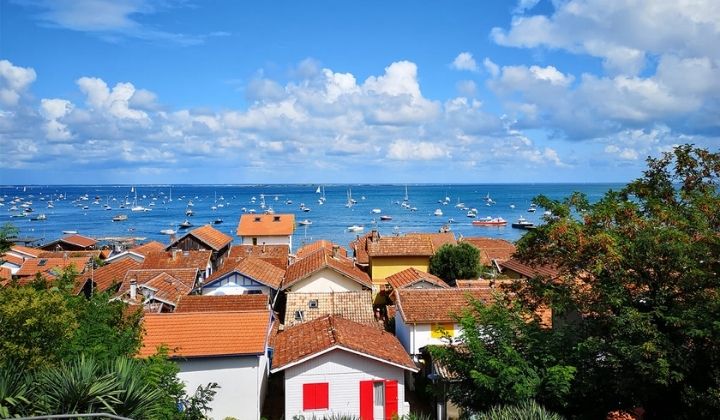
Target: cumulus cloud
x: 53, y: 110
x: 410, y: 150
x: 14, y: 80
x: 116, y: 101
x: 464, y: 61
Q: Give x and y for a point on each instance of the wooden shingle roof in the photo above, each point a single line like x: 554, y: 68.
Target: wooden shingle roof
x: 306, y: 341
x: 206, y: 334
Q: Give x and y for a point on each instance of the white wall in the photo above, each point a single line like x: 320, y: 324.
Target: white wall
x: 325, y: 281
x: 235, y: 284
x: 238, y: 377
x: 268, y: 240
x: 414, y: 337
x: 343, y: 372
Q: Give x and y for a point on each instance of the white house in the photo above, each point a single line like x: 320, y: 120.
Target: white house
x: 425, y: 316
x: 335, y: 366
x: 268, y: 229
x: 250, y: 275
x: 325, y: 271
x: 228, y: 348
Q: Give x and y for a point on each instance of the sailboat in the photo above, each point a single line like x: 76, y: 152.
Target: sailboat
x: 317, y: 191
x: 170, y: 199
x: 135, y: 206
x: 350, y: 200
x: 321, y: 200
x: 406, y: 198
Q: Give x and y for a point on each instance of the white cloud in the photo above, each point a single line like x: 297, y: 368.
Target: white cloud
x: 116, y: 102
x: 409, y: 150
x: 491, y: 67
x: 53, y: 110
x: 466, y: 88
x: 14, y: 80
x: 464, y: 61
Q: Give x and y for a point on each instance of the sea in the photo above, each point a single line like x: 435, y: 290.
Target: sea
x: 89, y: 209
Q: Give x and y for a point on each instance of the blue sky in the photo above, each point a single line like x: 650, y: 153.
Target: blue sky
x: 102, y: 91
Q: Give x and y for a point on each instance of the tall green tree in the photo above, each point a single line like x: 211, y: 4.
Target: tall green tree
x: 642, y: 273
x: 452, y: 262
x: 7, y: 231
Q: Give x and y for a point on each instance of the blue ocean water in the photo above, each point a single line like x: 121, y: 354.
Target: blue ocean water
x: 329, y: 220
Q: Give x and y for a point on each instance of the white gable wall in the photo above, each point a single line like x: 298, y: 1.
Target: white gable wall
x: 234, y: 284
x: 267, y: 240
x: 413, y: 337
x: 324, y: 281
x: 241, y: 380
x: 343, y: 372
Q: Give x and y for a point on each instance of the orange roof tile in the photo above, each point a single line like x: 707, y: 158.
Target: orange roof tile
x: 73, y: 254
x: 320, y: 259
x: 492, y: 249
x: 178, y: 259
x: 5, y: 275
x: 143, y: 275
x: 113, y: 273
x: 438, y: 239
x: 200, y: 334
x: 33, y: 266
x: 412, y: 275
x: 148, y: 248
x: 12, y: 259
x: 355, y: 306
x: 427, y: 306
x: 276, y: 255
x: 254, y: 268
x: 30, y: 252
x: 308, y: 249
x: 266, y: 225
x: 360, y: 247
x: 166, y: 288
x: 200, y: 303
x: 304, y: 341
x: 207, y: 235
x: 391, y: 246
x: 79, y: 240
x: 528, y: 271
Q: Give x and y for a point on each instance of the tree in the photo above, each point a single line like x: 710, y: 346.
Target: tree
x: 452, y: 262
x: 7, y: 231
x: 641, y: 268
x: 504, y: 356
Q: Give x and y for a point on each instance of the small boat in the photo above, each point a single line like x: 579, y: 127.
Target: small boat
x: 217, y: 221
x: 355, y: 228
x: 168, y: 231
x: 438, y: 212
x: 523, y: 223
x: 305, y: 222
x: 385, y: 217
x: 490, y: 221
x: 186, y: 224
x: 39, y: 217
x: 375, y: 211
x: 69, y: 232
x: 189, y: 212
x: 472, y: 214
x: 451, y: 220
x: 532, y: 208
x: 120, y: 218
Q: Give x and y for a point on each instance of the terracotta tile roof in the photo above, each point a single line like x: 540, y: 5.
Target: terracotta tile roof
x: 320, y: 259
x: 438, y: 239
x: 12, y: 259
x: 113, y: 273
x: 255, y: 268
x: 528, y: 271
x: 266, y: 225
x: 100, y: 253
x: 5, y: 275
x: 191, y: 334
x: 276, y: 255
x: 355, y: 306
x: 165, y: 288
x: 178, y: 259
x: 30, y: 252
x: 148, y: 248
x: 308, y: 249
x: 48, y: 266
x: 207, y: 235
x: 200, y: 303
x: 304, y: 341
x: 392, y: 246
x: 143, y: 275
x: 492, y: 249
x: 78, y: 240
x: 359, y: 247
x: 412, y: 275
x: 462, y: 284
x: 425, y: 306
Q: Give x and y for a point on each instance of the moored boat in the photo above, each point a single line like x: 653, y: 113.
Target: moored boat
x: 490, y: 221
x: 305, y: 222
x: 119, y: 218
x: 186, y: 224
x: 355, y: 228
x: 523, y: 223
x: 385, y: 217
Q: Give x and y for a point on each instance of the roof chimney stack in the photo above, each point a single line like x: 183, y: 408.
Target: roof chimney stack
x: 335, y: 250
x: 133, y: 289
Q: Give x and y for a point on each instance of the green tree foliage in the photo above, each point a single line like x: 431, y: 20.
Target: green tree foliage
x: 7, y: 231
x: 504, y: 356
x: 452, y: 262
x: 642, y: 270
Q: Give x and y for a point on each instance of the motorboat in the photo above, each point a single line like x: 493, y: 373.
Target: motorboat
x: 217, y: 221
x: 523, y: 223
x: 438, y: 212
x: 355, y: 228
x: 120, y: 218
x: 39, y: 217
x: 490, y: 221
x: 532, y: 208
x: 168, y: 231
x: 385, y: 217
x: 375, y: 211
x: 305, y: 222
x: 69, y: 232
x: 186, y: 224
x: 189, y: 212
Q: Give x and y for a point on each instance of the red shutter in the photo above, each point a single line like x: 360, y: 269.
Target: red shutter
x: 391, y: 399
x: 315, y: 396
x: 366, y: 400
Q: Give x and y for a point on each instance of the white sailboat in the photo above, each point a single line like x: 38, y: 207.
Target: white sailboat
x: 321, y: 200
x: 406, y: 198
x: 317, y: 191
x: 135, y: 206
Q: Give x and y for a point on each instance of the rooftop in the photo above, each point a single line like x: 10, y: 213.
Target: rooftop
x: 412, y: 275
x: 355, y: 306
x: 254, y: 268
x: 266, y: 225
x: 322, y: 258
x: 392, y: 246
x: 491, y: 249
x: 200, y: 303
x: 208, y: 235
x: 426, y: 306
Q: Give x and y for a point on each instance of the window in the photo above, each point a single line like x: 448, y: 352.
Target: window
x: 379, y: 393
x: 254, y: 241
x: 299, y: 315
x: 441, y: 330
x: 315, y: 396
x: 254, y: 292
x: 313, y: 303
x: 276, y: 218
x: 257, y: 219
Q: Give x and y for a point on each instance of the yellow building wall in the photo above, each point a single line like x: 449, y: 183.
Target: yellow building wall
x: 381, y: 267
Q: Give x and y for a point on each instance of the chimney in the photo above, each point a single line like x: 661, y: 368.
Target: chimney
x: 335, y: 250
x: 133, y: 289
x: 175, y: 253
x: 263, y: 248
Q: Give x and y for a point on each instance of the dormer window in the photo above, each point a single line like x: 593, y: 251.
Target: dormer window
x: 313, y: 303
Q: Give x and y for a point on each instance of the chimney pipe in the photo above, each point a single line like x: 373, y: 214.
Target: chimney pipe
x: 133, y: 289
x: 335, y: 250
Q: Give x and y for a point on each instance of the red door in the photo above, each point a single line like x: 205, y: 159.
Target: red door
x: 367, y: 403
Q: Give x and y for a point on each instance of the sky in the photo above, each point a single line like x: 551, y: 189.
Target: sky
x: 138, y: 91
